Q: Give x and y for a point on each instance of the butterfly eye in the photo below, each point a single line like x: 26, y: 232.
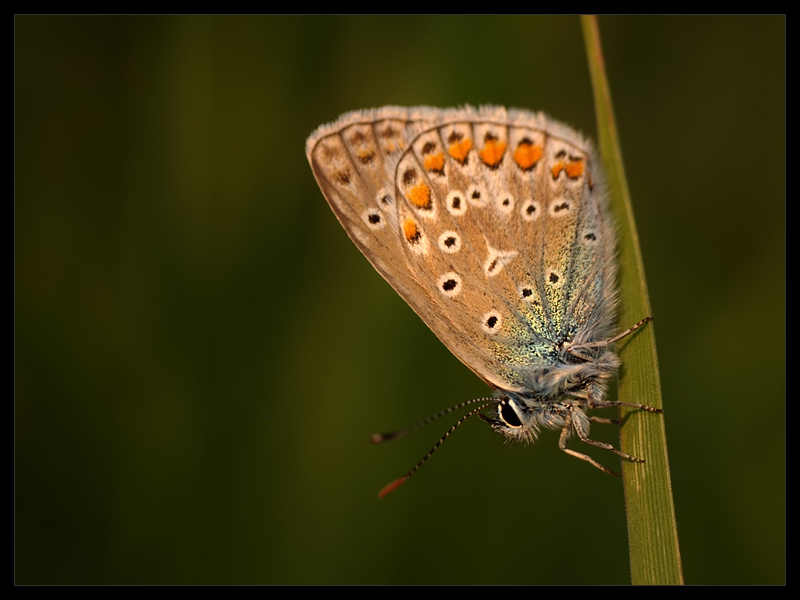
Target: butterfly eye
x: 509, y: 415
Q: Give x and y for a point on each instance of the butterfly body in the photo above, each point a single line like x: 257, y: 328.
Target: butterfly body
x: 493, y: 225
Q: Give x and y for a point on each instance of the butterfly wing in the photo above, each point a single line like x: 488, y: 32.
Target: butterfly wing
x: 491, y: 225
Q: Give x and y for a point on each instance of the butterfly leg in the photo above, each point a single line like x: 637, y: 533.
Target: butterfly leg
x: 604, y: 343
x: 616, y: 338
x: 583, y: 433
x: 604, y: 420
x: 603, y: 404
x: 566, y: 434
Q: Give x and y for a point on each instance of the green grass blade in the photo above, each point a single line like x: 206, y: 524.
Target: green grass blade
x: 652, y: 530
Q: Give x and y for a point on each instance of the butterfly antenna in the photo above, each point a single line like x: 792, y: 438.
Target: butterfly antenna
x: 393, y: 435
x: 398, y: 482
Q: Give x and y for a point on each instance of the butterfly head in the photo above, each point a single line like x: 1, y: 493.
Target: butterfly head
x: 555, y: 396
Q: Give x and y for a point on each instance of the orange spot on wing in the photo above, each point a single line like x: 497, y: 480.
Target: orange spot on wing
x: 410, y: 231
x: 420, y: 196
x: 459, y: 150
x: 434, y: 162
x: 527, y: 155
x: 492, y: 152
x: 575, y: 169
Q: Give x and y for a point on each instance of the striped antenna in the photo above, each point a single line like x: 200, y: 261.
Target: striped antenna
x: 393, y: 435
x: 383, y: 437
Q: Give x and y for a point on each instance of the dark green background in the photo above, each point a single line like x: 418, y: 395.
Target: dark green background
x: 202, y: 354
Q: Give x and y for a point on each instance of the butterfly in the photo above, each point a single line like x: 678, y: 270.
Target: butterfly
x: 493, y: 225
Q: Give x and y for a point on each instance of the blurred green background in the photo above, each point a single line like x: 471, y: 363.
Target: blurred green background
x: 201, y: 353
